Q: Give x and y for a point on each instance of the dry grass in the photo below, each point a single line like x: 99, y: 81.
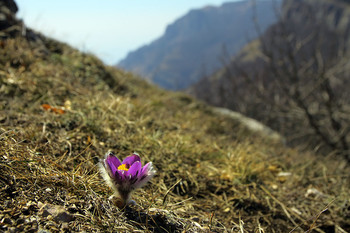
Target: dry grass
x: 212, y: 174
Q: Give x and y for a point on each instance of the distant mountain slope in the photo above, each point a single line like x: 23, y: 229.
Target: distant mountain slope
x: 295, y: 77
x: 193, y: 45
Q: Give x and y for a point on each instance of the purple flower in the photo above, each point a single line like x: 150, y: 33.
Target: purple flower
x: 126, y: 176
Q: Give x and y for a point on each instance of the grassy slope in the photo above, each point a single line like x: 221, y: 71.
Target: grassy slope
x: 228, y: 178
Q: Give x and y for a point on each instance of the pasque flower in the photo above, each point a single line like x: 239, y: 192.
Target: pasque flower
x: 126, y: 176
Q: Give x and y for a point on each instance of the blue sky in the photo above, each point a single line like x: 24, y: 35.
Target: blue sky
x: 106, y: 28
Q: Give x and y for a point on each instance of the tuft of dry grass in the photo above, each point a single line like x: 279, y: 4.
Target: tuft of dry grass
x: 213, y: 175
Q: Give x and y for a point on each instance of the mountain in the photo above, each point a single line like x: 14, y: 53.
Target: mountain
x: 62, y: 110
x: 195, y: 44
x: 294, y: 78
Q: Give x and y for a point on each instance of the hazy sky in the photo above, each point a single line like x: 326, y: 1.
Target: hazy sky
x: 107, y: 28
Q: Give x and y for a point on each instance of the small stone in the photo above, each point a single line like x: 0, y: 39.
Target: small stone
x: 64, y: 217
x: 56, y: 212
x: 312, y: 192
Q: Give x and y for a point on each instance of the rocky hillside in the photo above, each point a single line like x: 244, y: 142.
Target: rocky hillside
x: 62, y: 110
x: 194, y: 45
x: 295, y: 77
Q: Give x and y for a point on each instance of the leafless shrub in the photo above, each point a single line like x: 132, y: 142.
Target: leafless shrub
x: 298, y: 79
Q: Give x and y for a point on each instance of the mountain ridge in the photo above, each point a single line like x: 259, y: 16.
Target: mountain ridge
x: 194, y: 44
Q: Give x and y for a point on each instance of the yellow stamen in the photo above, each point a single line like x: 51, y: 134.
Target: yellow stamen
x: 123, y: 167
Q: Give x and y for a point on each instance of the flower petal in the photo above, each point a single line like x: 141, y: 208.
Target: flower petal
x: 134, y: 170
x: 142, y: 182
x: 113, y: 159
x: 110, y: 168
x: 131, y: 159
x: 111, y: 163
x: 145, y: 169
x: 119, y: 177
x: 146, y: 174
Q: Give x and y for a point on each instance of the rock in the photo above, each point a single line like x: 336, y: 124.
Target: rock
x: 314, y: 193
x: 252, y: 125
x: 56, y: 212
x: 9, y: 24
x: 9, y: 4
